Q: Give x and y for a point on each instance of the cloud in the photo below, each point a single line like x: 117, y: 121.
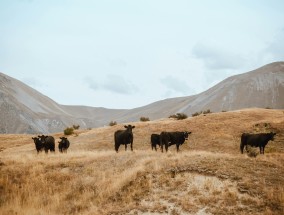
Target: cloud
x: 117, y: 84
x: 216, y: 58
x: 91, y: 83
x: 276, y: 47
x: 176, y: 85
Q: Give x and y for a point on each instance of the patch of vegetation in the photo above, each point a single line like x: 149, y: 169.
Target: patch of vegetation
x: 76, y: 127
x: 144, y: 119
x: 112, y: 123
x: 178, y: 116
x: 202, y: 112
x: 69, y: 131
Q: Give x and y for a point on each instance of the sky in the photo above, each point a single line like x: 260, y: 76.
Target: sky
x: 123, y: 54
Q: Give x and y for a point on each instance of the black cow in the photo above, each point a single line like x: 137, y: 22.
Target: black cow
x: 155, y: 140
x: 256, y: 140
x: 124, y: 137
x: 63, y: 144
x: 170, y: 138
x: 38, y: 144
x: 48, y: 143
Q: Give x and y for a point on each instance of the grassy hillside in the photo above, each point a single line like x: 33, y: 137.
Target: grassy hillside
x: 208, y: 176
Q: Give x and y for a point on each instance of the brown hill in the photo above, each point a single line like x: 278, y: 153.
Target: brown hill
x: 24, y: 110
x: 208, y: 176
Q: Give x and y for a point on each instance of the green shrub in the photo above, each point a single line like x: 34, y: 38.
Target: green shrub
x: 144, y: 119
x: 181, y: 116
x: 112, y: 123
x: 195, y: 114
x: 68, y: 131
x: 178, y: 116
x: 207, y: 111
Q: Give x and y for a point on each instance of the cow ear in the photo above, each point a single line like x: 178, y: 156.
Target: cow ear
x: 133, y: 126
x: 125, y: 126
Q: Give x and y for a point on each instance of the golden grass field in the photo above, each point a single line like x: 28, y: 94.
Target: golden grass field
x: 207, y: 176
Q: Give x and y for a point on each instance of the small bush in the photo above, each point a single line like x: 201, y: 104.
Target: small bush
x: 68, y: 131
x: 112, y: 123
x: 195, y: 114
x: 144, y: 119
x: 207, y: 111
x: 181, y: 116
x: 76, y: 127
x: 173, y: 116
x: 178, y: 116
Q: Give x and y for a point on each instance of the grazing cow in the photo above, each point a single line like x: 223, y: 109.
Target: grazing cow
x: 256, y: 140
x: 63, y: 144
x: 155, y: 140
x: 124, y: 137
x: 38, y: 144
x: 48, y: 143
x: 170, y: 138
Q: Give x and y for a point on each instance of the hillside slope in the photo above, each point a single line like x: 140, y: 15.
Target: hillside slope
x: 208, y: 175
x: 262, y: 88
x: 24, y: 110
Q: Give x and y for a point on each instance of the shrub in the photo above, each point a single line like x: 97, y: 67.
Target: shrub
x: 112, y: 123
x: 207, y: 111
x: 68, y: 131
x: 181, y: 116
x: 195, y: 114
x: 173, y: 116
x: 144, y: 119
x: 76, y: 127
x: 178, y: 116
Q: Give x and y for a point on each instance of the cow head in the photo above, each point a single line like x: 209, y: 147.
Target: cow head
x: 185, y: 134
x: 63, y: 139
x: 36, y: 139
x: 42, y: 138
x: 271, y: 134
x: 129, y: 127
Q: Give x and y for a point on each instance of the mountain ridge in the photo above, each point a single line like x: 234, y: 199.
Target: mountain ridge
x: 25, y: 110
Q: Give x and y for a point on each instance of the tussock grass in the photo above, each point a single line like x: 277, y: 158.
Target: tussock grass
x: 208, y: 176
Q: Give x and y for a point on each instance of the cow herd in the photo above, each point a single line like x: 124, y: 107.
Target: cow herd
x: 162, y: 140
x: 43, y: 142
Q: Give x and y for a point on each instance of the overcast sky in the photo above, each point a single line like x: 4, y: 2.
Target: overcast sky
x: 129, y: 53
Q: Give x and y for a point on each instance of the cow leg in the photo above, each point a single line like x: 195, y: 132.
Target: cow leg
x: 125, y: 147
x: 166, y: 147
x: 162, y: 148
x: 116, y: 147
x: 177, y: 147
x: 262, y: 149
x: 131, y: 145
x: 155, y: 147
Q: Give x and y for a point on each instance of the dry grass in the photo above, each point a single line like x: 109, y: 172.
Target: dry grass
x: 208, y: 176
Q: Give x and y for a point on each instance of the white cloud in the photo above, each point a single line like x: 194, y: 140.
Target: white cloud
x: 217, y: 58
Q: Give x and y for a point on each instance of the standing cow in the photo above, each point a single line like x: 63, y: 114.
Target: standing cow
x: 63, y: 144
x: 256, y: 140
x: 155, y: 140
x: 48, y: 143
x: 170, y: 138
x: 38, y: 144
x: 124, y: 137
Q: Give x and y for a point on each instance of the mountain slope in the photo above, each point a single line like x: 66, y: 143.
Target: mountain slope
x: 263, y: 88
x: 25, y: 110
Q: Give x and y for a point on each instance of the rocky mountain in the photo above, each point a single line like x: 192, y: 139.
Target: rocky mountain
x: 25, y: 110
